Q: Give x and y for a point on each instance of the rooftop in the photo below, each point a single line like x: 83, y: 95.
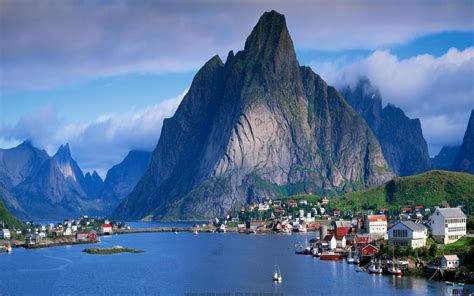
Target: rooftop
x: 413, y: 226
x: 451, y: 257
x: 377, y: 218
x: 451, y: 212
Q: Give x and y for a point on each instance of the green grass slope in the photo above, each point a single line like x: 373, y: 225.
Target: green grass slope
x: 429, y: 189
x: 7, y: 218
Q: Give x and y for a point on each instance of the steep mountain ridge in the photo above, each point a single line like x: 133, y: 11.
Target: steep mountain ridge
x: 465, y: 159
x: 122, y: 177
x: 400, y: 137
x: 252, y: 128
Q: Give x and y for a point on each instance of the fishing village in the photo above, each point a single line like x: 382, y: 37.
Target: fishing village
x: 416, y: 241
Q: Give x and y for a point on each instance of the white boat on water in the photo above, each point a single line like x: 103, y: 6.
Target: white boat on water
x: 375, y: 268
x: 394, y: 269
x: 351, y: 259
x: 277, y: 275
x: 195, y: 232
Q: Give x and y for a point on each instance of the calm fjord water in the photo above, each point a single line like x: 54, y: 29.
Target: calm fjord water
x: 175, y: 264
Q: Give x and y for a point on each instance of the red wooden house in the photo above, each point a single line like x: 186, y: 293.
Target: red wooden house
x: 367, y: 250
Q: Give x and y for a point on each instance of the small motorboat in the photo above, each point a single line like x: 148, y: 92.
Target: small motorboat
x: 277, y: 275
x: 195, y: 232
x: 302, y: 250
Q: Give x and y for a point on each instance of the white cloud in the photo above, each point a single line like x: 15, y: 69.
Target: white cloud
x: 49, y: 43
x: 97, y: 144
x: 438, y: 90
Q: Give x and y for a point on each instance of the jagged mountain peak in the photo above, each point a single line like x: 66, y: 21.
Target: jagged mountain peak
x: 270, y: 44
x: 67, y: 165
x: 63, y: 151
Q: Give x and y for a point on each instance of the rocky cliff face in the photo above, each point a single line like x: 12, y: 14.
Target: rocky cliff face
x: 122, y: 178
x: 465, y: 160
x: 400, y: 137
x: 255, y: 127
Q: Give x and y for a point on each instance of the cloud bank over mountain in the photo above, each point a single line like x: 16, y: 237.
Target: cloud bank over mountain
x: 438, y: 90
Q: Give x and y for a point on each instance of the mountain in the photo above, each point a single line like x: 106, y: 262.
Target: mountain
x: 465, y: 160
x: 7, y: 219
x: 122, y: 178
x: 19, y: 163
x: 400, y: 137
x: 11, y: 202
x: 429, y: 189
x: 256, y: 127
x: 445, y: 158
x: 92, y: 184
x: 54, y: 191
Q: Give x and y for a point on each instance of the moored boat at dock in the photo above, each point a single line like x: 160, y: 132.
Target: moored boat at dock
x: 375, y: 268
x: 394, y: 268
x: 330, y: 256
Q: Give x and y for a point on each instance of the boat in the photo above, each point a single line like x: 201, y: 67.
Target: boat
x: 394, y: 269
x: 195, y: 232
x: 315, y: 252
x: 330, y: 256
x: 375, y: 268
x: 277, y: 275
x: 352, y: 260
x: 303, y: 249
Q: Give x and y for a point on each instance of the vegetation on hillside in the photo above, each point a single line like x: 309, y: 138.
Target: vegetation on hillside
x: 429, y: 189
x: 8, y: 219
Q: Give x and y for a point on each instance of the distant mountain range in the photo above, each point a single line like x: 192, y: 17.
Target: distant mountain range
x: 34, y: 185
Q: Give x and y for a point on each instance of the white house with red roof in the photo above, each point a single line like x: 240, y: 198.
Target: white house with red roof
x: 106, y: 228
x: 376, y: 225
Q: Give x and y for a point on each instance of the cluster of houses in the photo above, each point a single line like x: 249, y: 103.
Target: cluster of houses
x: 410, y: 227
x: 83, y: 229
x: 446, y: 225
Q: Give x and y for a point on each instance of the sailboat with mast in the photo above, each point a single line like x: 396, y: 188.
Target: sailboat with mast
x: 303, y: 249
x: 277, y: 275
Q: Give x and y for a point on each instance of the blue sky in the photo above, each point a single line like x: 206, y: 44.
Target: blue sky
x: 105, y: 84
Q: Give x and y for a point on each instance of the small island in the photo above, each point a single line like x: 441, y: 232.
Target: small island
x: 110, y: 251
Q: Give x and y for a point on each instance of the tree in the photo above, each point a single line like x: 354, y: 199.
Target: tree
x: 397, y: 251
x: 415, y: 253
x: 433, y: 250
